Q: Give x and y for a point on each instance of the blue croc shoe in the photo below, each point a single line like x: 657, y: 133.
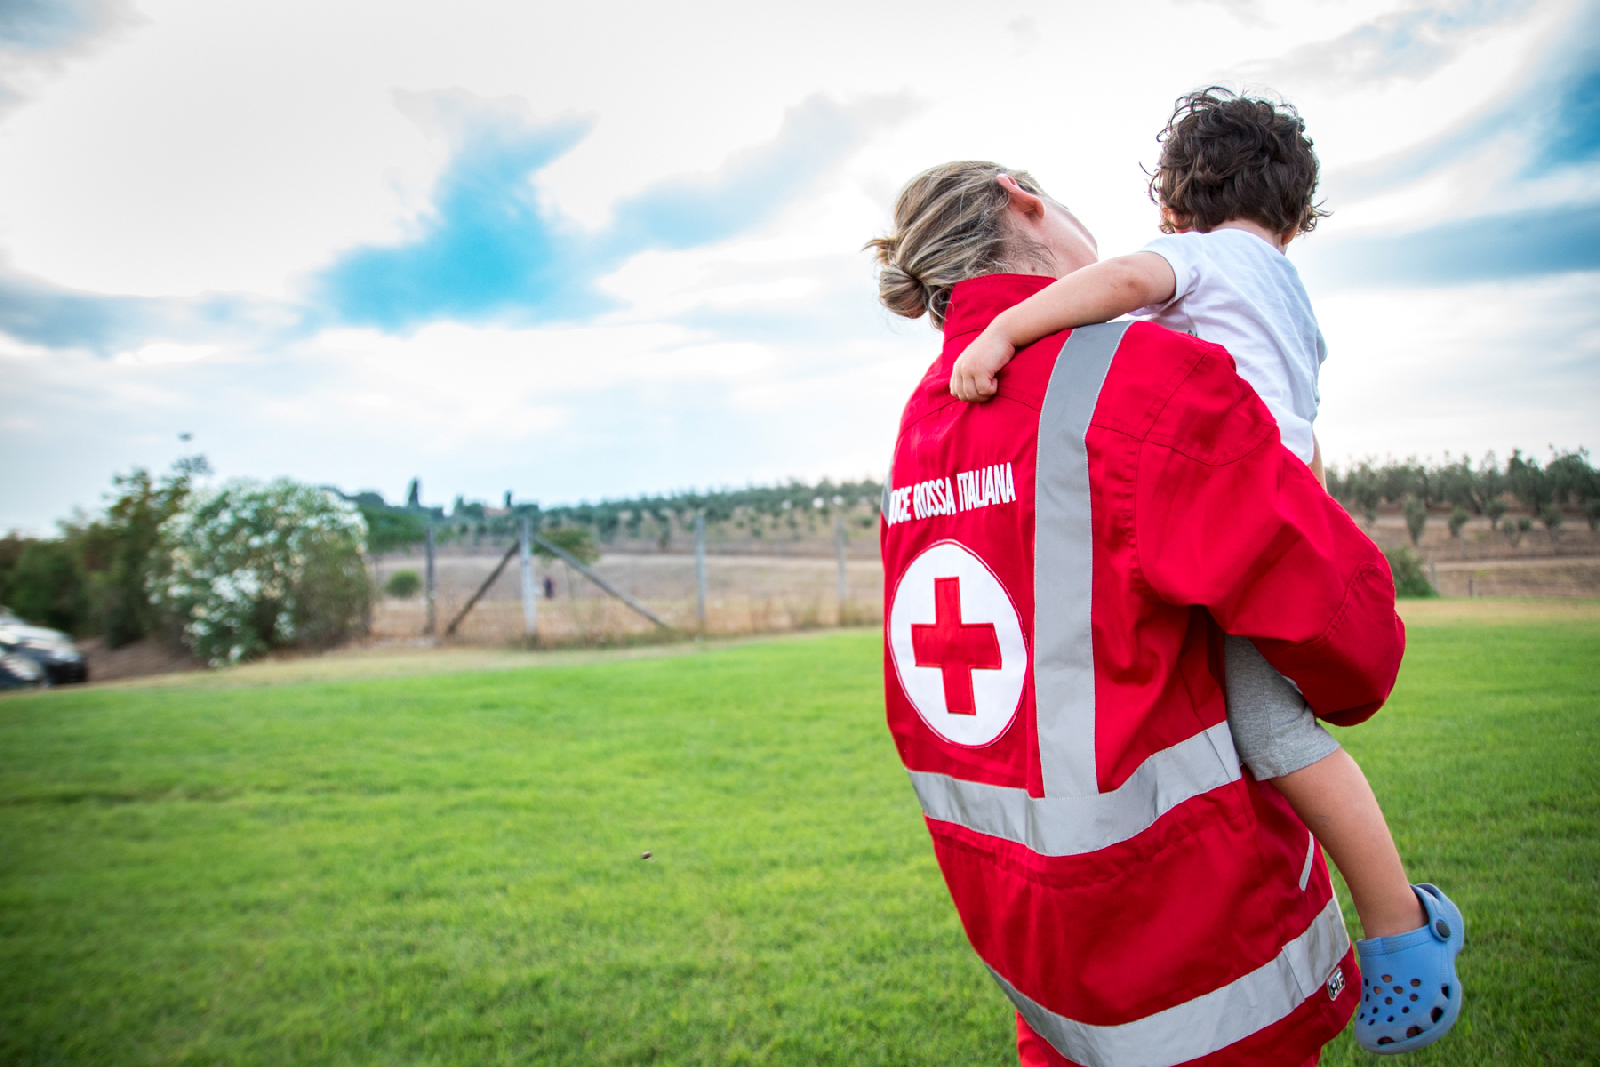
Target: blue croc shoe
x: 1410, y: 994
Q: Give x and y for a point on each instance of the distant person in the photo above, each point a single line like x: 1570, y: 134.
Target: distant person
x: 1061, y: 566
x: 549, y: 588
x: 1236, y: 183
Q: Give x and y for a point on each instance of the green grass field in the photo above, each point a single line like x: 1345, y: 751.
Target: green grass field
x: 445, y: 869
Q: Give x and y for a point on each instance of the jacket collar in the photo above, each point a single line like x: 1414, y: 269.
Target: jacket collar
x: 976, y: 301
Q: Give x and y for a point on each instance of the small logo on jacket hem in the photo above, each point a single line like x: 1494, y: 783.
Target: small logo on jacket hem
x: 1336, y: 983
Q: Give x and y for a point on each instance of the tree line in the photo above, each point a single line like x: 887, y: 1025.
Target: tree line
x: 396, y: 526
x: 98, y: 576
x: 1487, y: 488
x: 111, y: 574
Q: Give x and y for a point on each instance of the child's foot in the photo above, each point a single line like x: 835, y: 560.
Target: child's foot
x: 1410, y: 994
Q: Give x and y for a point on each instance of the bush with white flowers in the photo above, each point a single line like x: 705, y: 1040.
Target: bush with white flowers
x: 251, y: 567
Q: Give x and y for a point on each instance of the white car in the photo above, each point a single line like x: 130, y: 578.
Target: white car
x: 37, y: 655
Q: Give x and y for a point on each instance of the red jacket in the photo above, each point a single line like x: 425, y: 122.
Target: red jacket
x: 1060, y: 566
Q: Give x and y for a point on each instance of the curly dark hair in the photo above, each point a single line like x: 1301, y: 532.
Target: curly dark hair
x: 1225, y: 156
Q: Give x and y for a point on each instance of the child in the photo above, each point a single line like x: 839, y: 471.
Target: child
x: 1235, y: 185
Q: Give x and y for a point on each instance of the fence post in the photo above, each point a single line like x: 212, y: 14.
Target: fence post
x: 838, y: 546
x: 431, y: 622
x: 1433, y: 574
x: 530, y: 600
x: 700, y: 570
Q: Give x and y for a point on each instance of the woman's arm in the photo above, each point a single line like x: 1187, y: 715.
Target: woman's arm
x: 1095, y: 293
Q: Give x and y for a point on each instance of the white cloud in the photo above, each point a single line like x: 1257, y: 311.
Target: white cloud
x: 166, y: 352
x: 239, y: 147
x: 1469, y: 369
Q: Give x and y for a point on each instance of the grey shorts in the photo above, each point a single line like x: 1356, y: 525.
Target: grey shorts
x: 1273, y: 729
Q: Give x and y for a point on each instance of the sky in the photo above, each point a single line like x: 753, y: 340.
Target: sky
x: 574, y: 251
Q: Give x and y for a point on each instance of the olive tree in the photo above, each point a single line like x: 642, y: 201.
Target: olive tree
x: 1459, y: 518
x: 1416, y: 519
x: 1551, y: 516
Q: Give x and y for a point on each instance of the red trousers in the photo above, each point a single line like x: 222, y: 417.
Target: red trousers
x: 1030, y: 1047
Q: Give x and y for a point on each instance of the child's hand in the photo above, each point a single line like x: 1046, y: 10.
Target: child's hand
x: 972, y: 378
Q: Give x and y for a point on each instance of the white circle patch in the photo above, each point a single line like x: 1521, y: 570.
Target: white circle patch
x: 956, y: 641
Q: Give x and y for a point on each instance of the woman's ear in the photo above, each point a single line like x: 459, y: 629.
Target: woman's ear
x: 1023, y: 202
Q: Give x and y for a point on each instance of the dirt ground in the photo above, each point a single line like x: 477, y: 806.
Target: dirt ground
x: 1479, y: 542
x: 138, y: 660
x: 749, y: 593
x: 1559, y: 577
x: 416, y: 659
x: 745, y: 594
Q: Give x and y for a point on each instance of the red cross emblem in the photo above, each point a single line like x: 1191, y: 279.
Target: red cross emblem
x: 957, y: 645
x: 956, y: 648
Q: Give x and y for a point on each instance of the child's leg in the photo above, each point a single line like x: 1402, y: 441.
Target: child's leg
x: 1280, y: 740
x: 1335, y: 802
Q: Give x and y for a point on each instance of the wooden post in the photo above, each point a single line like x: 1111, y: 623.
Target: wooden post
x: 1433, y: 574
x: 700, y: 570
x: 428, y: 598
x: 838, y: 547
x: 530, y: 599
x: 450, y: 631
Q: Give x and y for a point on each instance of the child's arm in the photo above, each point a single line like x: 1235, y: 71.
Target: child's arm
x: 1095, y: 293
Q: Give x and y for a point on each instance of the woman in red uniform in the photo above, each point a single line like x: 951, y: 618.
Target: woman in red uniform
x: 1060, y: 567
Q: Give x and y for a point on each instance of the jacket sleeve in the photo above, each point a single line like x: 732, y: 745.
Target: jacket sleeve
x: 1228, y: 518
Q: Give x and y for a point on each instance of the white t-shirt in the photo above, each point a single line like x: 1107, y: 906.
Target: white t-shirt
x: 1238, y: 291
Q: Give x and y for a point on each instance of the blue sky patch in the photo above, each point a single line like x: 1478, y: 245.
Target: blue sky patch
x: 489, y: 250
x: 487, y: 247
x: 1514, y: 245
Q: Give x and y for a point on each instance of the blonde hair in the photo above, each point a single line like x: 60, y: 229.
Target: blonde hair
x: 950, y: 224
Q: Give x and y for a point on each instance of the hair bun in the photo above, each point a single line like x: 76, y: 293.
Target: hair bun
x: 901, y: 293
x: 950, y: 224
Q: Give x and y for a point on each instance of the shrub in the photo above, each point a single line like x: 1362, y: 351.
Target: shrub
x: 250, y: 567
x: 119, y: 551
x: 402, y: 584
x: 1458, y: 518
x: 574, y: 539
x: 1410, y: 578
x: 92, y: 578
x: 45, y: 587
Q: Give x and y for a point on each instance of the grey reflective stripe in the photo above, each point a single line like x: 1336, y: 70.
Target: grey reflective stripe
x: 1074, y: 817
x: 1209, y: 1022
x: 1063, y: 651
x: 1073, y: 825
